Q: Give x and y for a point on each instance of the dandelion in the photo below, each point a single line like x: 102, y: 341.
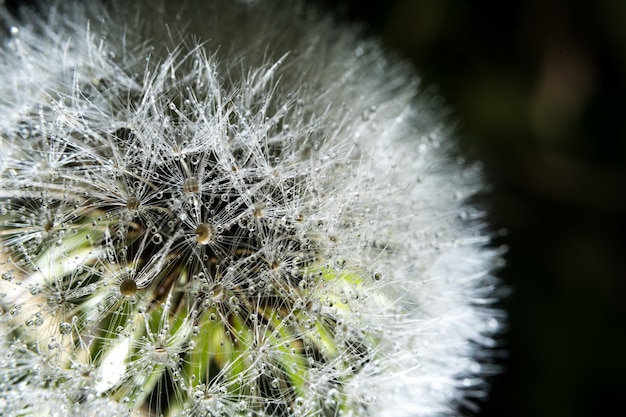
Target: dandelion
x: 229, y: 208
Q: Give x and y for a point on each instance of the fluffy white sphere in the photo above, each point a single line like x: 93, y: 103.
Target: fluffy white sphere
x: 229, y: 208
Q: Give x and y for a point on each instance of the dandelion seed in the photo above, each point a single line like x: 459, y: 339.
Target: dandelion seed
x: 191, y: 185
x: 132, y: 203
x: 201, y: 216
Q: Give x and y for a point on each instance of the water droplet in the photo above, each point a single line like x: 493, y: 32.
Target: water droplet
x: 47, y: 226
x: 65, y: 328
x: 128, y: 288
x: 204, y: 233
x: 217, y: 293
x: 377, y: 276
x: 493, y: 324
x: 157, y: 239
x: 14, y: 30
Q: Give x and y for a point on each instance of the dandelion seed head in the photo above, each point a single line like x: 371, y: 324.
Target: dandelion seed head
x: 203, y: 216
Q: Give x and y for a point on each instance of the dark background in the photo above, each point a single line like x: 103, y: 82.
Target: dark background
x: 537, y: 88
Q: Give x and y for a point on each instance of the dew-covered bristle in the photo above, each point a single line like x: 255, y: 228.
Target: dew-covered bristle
x: 220, y: 224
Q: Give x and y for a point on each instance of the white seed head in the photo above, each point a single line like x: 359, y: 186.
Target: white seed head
x: 229, y: 208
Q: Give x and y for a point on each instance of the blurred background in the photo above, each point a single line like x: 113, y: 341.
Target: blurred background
x: 538, y: 88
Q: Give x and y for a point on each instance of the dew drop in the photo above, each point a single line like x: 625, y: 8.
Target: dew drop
x: 157, y: 239
x: 241, y: 406
x: 217, y: 294
x: 128, y: 288
x: 493, y: 324
x: 65, y: 328
x: 47, y: 226
x: 204, y: 233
